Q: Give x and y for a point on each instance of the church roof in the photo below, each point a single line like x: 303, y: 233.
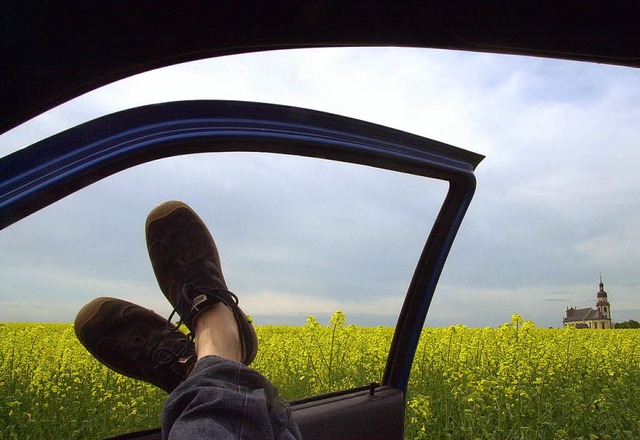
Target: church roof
x: 583, y: 315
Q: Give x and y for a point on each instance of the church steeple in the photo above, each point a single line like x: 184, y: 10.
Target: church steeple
x: 602, y: 302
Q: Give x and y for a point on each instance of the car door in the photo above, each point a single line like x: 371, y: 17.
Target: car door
x: 47, y: 171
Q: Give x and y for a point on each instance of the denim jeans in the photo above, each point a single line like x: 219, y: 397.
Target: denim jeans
x: 222, y: 399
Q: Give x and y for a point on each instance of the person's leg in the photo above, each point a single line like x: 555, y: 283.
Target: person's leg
x: 134, y: 341
x: 222, y: 397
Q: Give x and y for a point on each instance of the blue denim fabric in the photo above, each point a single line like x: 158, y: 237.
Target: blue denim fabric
x: 222, y: 399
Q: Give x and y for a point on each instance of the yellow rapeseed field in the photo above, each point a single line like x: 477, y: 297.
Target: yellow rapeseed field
x: 512, y: 382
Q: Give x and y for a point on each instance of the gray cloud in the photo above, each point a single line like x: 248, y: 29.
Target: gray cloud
x: 556, y: 203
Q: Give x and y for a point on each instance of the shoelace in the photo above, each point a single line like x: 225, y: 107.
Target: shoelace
x: 194, y: 293
x: 164, y: 355
x: 200, y: 295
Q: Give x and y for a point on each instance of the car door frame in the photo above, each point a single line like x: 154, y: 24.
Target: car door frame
x: 49, y: 170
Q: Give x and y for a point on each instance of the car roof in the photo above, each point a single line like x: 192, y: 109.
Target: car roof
x: 54, y: 52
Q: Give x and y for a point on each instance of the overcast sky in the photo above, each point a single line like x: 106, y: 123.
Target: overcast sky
x: 556, y: 205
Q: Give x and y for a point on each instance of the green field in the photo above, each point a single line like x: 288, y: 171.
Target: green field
x: 512, y: 382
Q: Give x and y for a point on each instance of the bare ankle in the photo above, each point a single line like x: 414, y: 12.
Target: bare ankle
x: 216, y: 333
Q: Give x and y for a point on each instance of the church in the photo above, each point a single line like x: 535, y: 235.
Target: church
x: 598, y: 317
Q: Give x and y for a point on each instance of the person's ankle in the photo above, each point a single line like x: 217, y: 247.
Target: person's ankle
x: 217, y: 333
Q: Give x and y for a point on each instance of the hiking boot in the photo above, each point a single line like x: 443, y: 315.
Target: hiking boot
x: 135, y: 341
x: 187, y: 266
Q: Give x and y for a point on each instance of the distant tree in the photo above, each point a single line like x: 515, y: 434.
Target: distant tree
x: 627, y: 324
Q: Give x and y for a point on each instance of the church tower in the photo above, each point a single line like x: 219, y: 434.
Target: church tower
x: 603, y: 306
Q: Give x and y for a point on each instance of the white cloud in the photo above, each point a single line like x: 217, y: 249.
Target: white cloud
x: 277, y: 304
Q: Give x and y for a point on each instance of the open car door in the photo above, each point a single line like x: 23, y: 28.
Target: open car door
x: 47, y: 171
